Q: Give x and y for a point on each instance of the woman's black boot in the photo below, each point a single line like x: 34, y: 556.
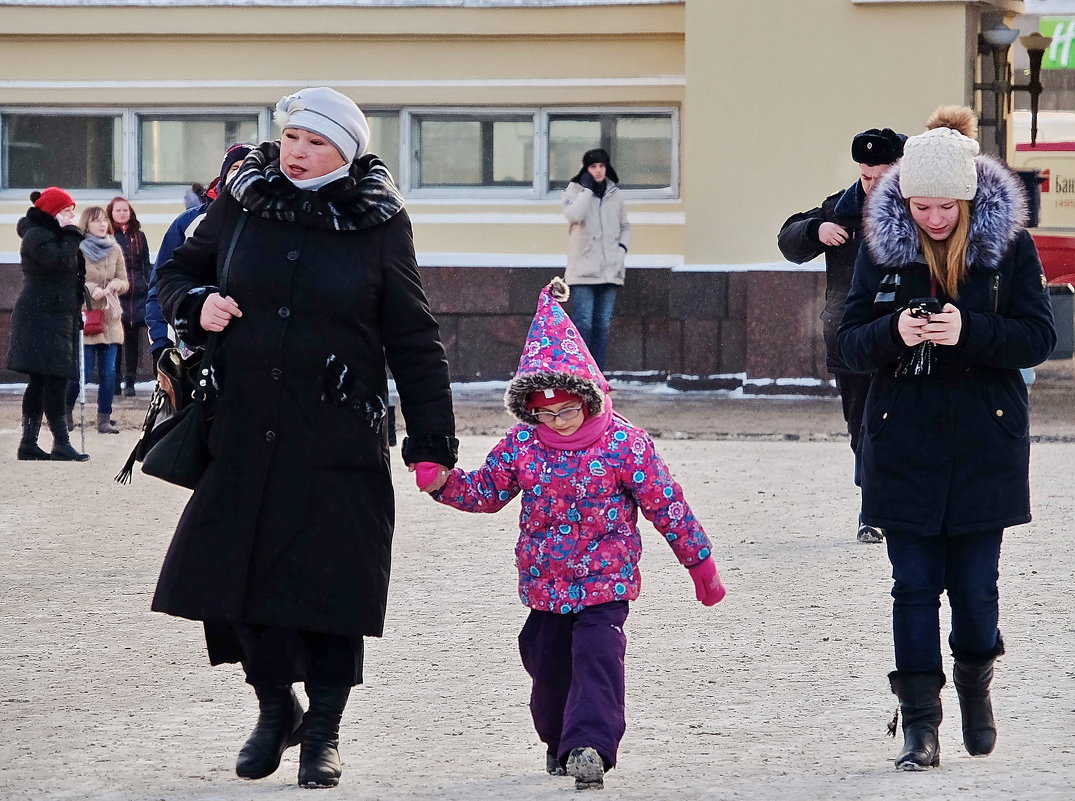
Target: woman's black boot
x: 319, y: 757
x: 920, y: 706
x: 29, y: 451
x: 62, y: 450
x: 975, y: 706
x: 278, y: 728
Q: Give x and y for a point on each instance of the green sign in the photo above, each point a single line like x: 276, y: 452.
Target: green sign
x: 1061, y: 54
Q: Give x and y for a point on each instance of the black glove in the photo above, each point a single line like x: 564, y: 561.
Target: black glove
x: 586, y: 180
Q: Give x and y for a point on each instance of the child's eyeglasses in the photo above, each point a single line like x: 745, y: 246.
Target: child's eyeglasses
x: 568, y: 414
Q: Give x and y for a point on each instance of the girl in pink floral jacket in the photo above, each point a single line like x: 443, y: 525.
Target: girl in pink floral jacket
x: 584, y: 472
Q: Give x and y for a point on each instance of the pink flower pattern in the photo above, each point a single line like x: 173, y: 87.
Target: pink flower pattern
x: 579, y: 543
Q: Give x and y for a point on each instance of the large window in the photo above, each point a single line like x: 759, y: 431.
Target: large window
x: 461, y: 151
x: 639, y: 145
x: 535, y: 153
x: 177, y: 149
x: 125, y: 151
x: 72, y: 151
x: 384, y: 138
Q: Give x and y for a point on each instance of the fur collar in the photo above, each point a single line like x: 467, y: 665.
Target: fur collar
x: 34, y: 216
x: 998, y: 214
x: 367, y: 196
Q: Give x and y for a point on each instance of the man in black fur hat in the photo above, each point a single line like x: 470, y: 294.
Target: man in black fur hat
x: 834, y: 228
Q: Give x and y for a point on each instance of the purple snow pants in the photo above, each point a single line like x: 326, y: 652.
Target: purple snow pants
x: 576, y: 662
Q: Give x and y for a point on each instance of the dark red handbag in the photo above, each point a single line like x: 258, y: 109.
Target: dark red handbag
x: 93, y: 322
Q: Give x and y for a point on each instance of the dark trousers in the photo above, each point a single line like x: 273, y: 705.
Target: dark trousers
x: 273, y: 656
x: 967, y: 567
x: 44, y: 395
x: 591, y: 312
x: 576, y: 663
x: 853, y: 389
x: 132, y: 351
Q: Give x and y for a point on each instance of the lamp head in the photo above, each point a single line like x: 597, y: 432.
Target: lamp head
x: 1035, y: 42
x: 1000, y: 35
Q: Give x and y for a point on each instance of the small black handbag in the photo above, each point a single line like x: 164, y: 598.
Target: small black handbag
x: 176, y: 449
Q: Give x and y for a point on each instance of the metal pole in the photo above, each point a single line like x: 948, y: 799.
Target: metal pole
x: 82, y: 389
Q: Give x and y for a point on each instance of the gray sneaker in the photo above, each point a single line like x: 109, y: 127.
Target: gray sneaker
x: 870, y: 534
x: 586, y: 765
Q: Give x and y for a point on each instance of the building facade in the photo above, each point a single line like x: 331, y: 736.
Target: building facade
x: 722, y: 119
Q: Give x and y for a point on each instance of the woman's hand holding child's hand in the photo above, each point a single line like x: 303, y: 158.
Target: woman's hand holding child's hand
x: 429, y: 476
x: 707, y: 585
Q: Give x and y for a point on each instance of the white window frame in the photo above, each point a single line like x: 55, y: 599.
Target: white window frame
x: 408, y: 155
x: 130, y: 144
x: 539, y: 190
x: 670, y: 192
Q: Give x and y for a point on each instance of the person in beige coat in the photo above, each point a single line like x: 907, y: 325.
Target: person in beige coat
x: 597, y: 240
x: 106, y: 280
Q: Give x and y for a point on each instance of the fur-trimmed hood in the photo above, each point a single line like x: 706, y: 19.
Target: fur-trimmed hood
x: 555, y: 357
x: 998, y: 214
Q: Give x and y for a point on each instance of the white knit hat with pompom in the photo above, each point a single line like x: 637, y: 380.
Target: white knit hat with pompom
x: 939, y: 163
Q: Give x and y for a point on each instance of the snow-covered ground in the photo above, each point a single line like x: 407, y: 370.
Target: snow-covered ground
x: 777, y: 693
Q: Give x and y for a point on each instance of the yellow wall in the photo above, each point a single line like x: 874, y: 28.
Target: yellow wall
x: 771, y: 92
x: 380, y: 57
x: 776, y: 91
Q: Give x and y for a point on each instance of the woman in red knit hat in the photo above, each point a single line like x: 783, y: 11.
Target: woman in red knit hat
x: 46, y: 319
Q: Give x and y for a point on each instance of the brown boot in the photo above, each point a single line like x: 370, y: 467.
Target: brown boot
x: 105, y: 425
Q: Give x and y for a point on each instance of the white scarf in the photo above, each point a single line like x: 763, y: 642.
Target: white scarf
x: 314, y: 184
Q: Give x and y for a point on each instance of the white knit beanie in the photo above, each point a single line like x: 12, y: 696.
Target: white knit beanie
x: 325, y: 111
x: 939, y: 163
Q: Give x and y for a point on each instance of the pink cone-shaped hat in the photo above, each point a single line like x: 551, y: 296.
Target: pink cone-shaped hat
x: 555, y: 357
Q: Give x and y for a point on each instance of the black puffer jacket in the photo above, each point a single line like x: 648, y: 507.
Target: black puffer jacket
x: 292, y: 523
x: 46, y: 317
x: 798, y: 242
x: 949, y: 451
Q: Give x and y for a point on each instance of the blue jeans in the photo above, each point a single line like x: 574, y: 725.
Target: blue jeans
x: 100, y: 363
x: 967, y: 567
x: 591, y: 311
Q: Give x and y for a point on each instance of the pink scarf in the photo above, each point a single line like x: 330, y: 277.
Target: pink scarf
x: 583, y: 437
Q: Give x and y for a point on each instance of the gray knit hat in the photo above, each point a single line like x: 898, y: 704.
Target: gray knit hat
x: 939, y: 163
x: 325, y: 111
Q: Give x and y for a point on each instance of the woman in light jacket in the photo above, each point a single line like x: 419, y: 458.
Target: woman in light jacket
x: 106, y: 280
x: 945, y: 448
x: 597, y: 240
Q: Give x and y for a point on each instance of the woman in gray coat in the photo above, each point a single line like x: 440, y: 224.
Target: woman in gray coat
x: 597, y: 241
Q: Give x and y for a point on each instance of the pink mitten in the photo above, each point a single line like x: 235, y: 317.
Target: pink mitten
x: 426, y: 474
x: 707, y: 586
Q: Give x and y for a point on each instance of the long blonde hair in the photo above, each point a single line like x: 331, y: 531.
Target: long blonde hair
x: 947, y: 259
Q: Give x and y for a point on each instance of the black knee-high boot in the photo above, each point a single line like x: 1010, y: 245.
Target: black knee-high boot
x: 972, y: 680
x: 29, y: 451
x: 278, y: 728
x: 920, y: 707
x: 319, y: 757
x: 62, y: 450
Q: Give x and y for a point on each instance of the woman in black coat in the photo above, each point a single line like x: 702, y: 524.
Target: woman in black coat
x: 46, y: 320
x: 132, y: 241
x: 284, y: 549
x: 948, y: 302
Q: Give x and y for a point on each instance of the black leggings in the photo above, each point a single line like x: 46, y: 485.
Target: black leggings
x: 44, y: 395
x: 132, y: 350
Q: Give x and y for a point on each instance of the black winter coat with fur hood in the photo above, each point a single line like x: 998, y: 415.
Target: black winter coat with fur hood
x: 948, y: 452
x: 292, y: 524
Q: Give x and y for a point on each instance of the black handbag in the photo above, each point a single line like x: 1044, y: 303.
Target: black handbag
x: 176, y: 449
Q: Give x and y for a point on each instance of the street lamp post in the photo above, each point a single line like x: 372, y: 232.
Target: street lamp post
x: 997, y: 40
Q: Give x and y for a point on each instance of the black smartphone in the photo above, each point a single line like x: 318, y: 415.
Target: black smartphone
x: 924, y: 307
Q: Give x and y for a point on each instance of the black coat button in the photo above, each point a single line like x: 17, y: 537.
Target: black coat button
x: 270, y: 436
x: 293, y: 255
x: 284, y: 312
x: 276, y: 372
